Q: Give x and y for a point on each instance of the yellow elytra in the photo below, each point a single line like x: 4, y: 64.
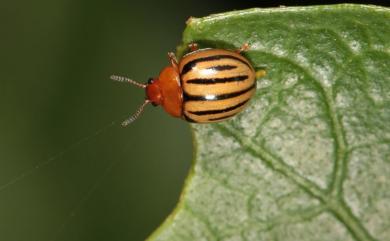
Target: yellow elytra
x: 217, y: 84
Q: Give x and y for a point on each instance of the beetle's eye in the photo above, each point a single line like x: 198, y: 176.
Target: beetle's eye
x: 154, y: 104
x: 150, y: 80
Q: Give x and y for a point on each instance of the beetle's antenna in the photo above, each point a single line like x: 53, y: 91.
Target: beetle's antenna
x: 136, y: 114
x: 125, y: 79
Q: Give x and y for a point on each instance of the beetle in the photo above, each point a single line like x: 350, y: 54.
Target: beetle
x: 206, y: 85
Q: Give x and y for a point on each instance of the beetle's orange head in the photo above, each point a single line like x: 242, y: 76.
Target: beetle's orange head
x: 164, y: 90
x: 153, y: 92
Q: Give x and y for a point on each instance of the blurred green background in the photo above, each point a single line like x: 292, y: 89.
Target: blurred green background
x: 68, y: 171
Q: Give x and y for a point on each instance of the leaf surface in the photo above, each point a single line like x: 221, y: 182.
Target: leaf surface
x: 309, y: 158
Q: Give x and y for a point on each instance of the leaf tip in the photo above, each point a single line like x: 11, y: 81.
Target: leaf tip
x: 190, y: 20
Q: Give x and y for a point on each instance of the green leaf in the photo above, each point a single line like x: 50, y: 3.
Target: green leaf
x: 309, y: 158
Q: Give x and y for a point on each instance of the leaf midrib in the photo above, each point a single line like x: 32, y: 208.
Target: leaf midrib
x: 335, y: 205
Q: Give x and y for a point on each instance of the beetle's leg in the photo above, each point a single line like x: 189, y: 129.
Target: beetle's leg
x: 260, y: 73
x: 193, y: 46
x: 244, y: 47
x: 172, y: 58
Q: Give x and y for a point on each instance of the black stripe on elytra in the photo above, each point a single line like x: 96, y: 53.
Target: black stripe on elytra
x: 222, y: 67
x: 217, y: 80
x: 188, y: 97
x: 222, y: 117
x: 209, y: 112
x: 191, y: 64
x: 189, y: 119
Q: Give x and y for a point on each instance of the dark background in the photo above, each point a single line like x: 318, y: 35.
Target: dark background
x: 68, y: 171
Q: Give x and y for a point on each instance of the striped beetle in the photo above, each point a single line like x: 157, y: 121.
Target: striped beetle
x: 206, y: 85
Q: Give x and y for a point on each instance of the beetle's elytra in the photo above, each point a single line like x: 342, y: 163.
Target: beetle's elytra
x: 206, y: 85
